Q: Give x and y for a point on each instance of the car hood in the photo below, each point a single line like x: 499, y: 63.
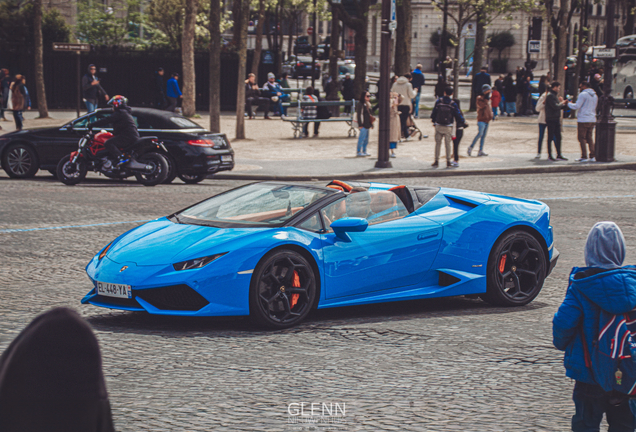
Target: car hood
x: 162, y: 242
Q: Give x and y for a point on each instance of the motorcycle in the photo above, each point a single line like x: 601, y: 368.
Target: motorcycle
x: 145, y: 163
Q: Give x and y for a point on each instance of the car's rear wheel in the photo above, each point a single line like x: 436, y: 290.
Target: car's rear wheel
x: 516, y: 270
x: 20, y: 161
x: 192, y: 178
x: 282, y: 290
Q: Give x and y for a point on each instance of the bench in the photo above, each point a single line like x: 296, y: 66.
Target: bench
x: 298, y: 122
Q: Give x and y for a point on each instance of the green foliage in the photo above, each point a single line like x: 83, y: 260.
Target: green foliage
x: 16, y: 26
x: 449, y: 39
x: 501, y: 40
x: 99, y: 24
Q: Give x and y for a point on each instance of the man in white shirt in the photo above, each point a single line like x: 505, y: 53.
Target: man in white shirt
x: 586, y: 120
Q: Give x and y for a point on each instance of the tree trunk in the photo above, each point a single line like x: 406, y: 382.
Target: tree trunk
x: 241, y: 33
x: 292, y: 30
x: 39, y: 64
x: 403, y: 37
x: 268, y: 33
x: 549, y: 11
x: 361, y: 40
x: 456, y: 70
x: 215, y: 66
x: 478, y: 56
x: 256, y: 60
x: 279, y: 51
x: 630, y: 12
x: 332, y: 90
x: 187, y: 59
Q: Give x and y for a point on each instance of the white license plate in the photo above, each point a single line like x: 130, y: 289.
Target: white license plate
x: 226, y: 158
x: 114, y: 290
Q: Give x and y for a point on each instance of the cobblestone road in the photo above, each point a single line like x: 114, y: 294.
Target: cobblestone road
x: 439, y: 365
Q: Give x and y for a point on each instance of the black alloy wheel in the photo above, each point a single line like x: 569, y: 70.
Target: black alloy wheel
x: 282, y: 290
x: 20, y: 161
x: 192, y: 178
x: 157, y: 172
x: 71, y: 173
x: 516, y: 270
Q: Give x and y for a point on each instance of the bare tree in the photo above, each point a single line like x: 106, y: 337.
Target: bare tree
x: 187, y: 58
x: 256, y: 60
x: 403, y: 37
x: 240, y: 34
x: 560, y: 25
x: 39, y: 63
x: 215, y: 66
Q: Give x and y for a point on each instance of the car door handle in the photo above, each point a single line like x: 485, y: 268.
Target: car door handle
x: 426, y: 236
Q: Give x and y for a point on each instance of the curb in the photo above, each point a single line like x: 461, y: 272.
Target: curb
x: 378, y: 174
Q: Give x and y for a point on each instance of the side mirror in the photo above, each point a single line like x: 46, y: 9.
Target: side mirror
x: 349, y: 224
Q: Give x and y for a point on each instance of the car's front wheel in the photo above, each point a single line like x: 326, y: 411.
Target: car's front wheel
x: 282, y: 290
x: 516, y: 270
x: 20, y: 161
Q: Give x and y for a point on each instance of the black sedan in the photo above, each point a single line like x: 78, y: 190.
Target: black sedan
x: 193, y: 152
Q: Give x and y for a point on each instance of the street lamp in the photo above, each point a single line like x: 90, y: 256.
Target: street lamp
x: 383, y: 91
x: 606, y: 126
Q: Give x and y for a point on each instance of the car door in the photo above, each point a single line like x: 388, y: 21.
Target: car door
x: 396, y: 250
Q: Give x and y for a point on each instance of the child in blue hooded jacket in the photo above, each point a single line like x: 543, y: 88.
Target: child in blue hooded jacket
x: 602, y: 284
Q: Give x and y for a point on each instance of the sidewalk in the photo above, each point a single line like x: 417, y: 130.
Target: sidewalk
x: 270, y: 152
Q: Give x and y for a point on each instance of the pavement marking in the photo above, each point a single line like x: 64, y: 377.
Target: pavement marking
x: 15, y: 230
x: 584, y: 197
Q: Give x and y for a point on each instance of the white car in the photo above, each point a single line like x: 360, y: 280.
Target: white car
x: 625, y: 80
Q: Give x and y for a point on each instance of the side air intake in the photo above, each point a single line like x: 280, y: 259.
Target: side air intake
x: 445, y: 279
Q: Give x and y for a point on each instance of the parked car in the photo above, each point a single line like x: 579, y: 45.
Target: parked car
x: 302, y: 45
x: 303, y: 68
x: 625, y: 81
x: 275, y: 251
x: 193, y: 152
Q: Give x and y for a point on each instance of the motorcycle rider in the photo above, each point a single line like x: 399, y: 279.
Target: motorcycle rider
x: 124, y: 129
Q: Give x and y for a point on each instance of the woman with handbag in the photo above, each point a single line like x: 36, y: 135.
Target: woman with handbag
x: 365, y: 123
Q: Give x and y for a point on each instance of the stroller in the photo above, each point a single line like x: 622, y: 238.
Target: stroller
x: 413, y: 129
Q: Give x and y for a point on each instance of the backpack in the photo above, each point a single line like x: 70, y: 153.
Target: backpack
x: 444, y: 114
x: 613, y: 356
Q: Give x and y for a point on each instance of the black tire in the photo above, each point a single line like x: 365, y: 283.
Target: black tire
x: 192, y: 178
x: 172, y: 170
x: 20, y: 161
x: 159, y: 171
x: 272, y: 290
x: 71, y: 173
x: 516, y: 270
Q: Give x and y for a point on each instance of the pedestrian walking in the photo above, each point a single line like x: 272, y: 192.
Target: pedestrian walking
x: 365, y: 123
x: 459, y: 134
x: 484, y: 115
x: 586, y: 120
x: 347, y: 91
x: 5, y: 84
x: 309, y: 112
x: 495, y: 100
x: 510, y: 94
x: 395, y: 130
x: 92, y: 89
x: 173, y: 92
x: 417, y: 82
x: 544, y: 83
x: 554, y: 104
x: 483, y: 77
x: 445, y: 113
x: 159, y: 86
x: 403, y: 86
x: 440, y: 86
x: 602, y: 285
x: 19, y: 100
x: 541, y: 122
x: 283, y: 81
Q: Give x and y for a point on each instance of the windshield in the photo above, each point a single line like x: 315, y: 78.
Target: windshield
x: 261, y: 204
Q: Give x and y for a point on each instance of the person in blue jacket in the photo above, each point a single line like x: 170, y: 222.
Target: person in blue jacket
x: 173, y: 92
x: 602, y: 284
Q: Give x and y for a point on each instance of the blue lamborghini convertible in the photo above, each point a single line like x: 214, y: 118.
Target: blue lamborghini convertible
x: 275, y: 251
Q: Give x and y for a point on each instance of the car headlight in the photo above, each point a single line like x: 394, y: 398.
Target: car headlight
x: 105, y: 251
x: 196, y: 263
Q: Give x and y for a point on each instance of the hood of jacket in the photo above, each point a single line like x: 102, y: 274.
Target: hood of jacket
x: 614, y: 291
x: 402, y: 80
x: 605, y: 246
x: 416, y: 71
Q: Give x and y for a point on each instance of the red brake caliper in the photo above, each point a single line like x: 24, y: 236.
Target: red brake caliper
x: 295, y: 284
x: 502, y: 263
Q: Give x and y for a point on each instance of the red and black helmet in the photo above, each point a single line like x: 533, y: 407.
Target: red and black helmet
x: 118, y: 101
